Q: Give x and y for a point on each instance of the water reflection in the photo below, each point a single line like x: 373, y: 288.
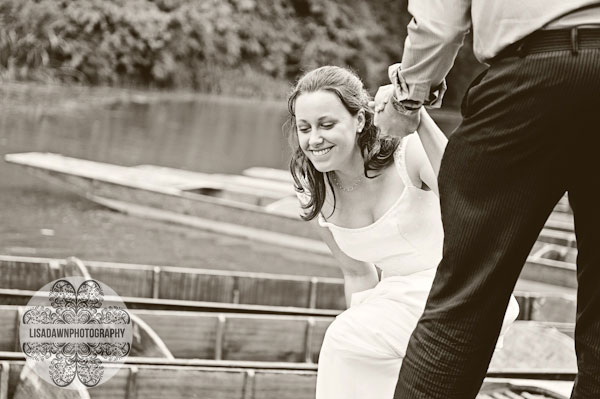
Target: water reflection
x: 208, y: 133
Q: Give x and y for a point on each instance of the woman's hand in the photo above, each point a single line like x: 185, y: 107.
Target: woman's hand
x: 390, y: 120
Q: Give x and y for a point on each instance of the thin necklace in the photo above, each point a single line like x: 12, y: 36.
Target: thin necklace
x: 358, y: 180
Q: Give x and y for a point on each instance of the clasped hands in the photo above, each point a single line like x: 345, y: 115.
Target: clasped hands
x: 389, y: 118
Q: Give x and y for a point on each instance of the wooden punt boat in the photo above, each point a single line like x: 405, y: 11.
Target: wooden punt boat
x: 292, y: 339
x: 562, y: 209
x: 237, y: 205
x: 286, y: 354
x: 165, y: 379
x: 256, y: 207
x: 167, y: 287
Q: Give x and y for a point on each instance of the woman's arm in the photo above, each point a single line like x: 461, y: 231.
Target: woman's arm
x: 433, y: 139
x: 358, y: 276
x: 424, y: 153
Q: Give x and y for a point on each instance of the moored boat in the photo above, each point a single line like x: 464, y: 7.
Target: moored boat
x: 160, y: 379
x: 293, y: 339
x: 168, y: 287
x: 259, y: 206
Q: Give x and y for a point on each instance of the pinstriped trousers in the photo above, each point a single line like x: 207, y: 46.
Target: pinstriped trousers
x: 530, y: 133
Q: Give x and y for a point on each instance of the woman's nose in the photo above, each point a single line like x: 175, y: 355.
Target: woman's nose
x: 315, y: 138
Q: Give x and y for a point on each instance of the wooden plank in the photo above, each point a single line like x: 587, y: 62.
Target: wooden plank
x: 25, y: 274
x: 221, y: 323
x: 561, y: 221
x: 4, y: 375
x: 550, y: 271
x: 18, y: 318
x: 313, y: 297
x: 123, y: 381
x: 90, y: 170
x: 184, y: 285
x: 316, y: 340
x: 186, y: 334
x: 159, y: 383
x: 308, y: 340
x: 181, y: 283
x: 265, y: 339
x: 249, y: 385
x: 240, y: 337
x: 199, y: 335
x: 219, y: 286
x: 269, y: 291
x: 242, y: 184
x: 21, y: 297
x: 246, y: 337
x: 558, y: 237
x: 132, y: 282
x: 14, y: 375
x: 285, y: 386
x: 156, y: 282
x: 555, y: 252
x: 192, y: 381
x: 151, y: 176
x: 563, y: 313
x: 279, y: 175
x: 131, y: 392
x: 330, y: 295
x: 9, y: 322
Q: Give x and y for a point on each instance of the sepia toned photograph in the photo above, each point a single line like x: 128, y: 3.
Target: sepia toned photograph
x: 299, y: 199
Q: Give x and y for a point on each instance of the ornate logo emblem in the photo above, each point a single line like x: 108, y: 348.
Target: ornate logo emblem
x: 76, y: 332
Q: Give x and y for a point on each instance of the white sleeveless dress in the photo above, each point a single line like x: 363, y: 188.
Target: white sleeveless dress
x: 363, y: 348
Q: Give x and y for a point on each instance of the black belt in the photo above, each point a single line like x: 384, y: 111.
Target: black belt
x: 541, y: 41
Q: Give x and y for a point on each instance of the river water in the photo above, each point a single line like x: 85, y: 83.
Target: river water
x: 205, y: 133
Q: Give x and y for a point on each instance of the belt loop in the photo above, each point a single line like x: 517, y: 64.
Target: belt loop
x: 574, y: 41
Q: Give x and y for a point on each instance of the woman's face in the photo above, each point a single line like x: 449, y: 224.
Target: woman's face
x: 327, y: 131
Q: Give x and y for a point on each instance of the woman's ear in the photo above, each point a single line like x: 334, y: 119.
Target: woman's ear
x: 360, y: 120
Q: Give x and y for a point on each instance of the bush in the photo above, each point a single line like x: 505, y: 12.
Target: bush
x: 246, y: 47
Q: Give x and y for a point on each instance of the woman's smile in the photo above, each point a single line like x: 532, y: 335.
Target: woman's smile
x: 321, y: 152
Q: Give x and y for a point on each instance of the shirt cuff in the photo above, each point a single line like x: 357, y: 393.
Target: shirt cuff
x: 414, y: 95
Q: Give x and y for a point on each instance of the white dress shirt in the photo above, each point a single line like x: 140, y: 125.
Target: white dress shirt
x: 438, y: 28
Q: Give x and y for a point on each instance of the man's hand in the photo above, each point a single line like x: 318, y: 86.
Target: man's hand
x: 390, y: 118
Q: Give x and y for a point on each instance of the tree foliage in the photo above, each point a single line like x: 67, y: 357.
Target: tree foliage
x: 248, y: 47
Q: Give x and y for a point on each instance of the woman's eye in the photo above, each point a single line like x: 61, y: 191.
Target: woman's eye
x: 327, y: 125
x: 304, y: 129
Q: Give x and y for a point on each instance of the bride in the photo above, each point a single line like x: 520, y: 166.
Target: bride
x: 373, y: 199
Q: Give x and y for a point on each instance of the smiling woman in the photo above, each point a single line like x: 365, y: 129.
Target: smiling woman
x: 387, y: 215
x: 332, y: 132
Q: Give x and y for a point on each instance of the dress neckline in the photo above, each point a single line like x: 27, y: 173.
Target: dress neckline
x: 399, y: 162
x: 324, y: 222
